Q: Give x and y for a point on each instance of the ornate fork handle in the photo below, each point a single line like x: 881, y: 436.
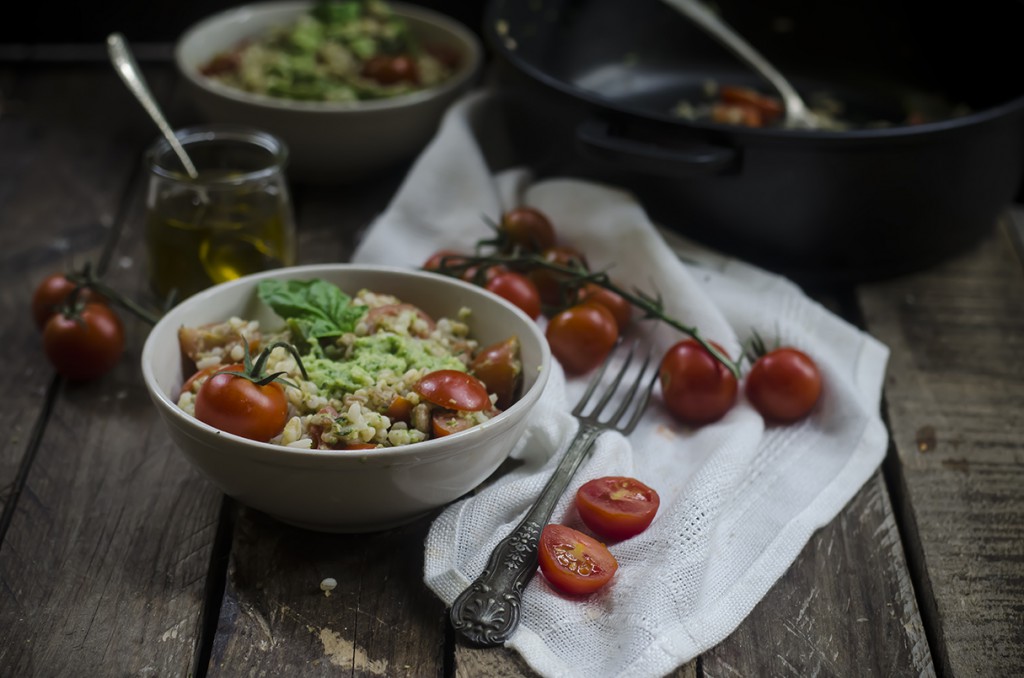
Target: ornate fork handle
x: 488, y: 611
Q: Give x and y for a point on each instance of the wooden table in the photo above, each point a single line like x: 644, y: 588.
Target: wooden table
x: 117, y: 558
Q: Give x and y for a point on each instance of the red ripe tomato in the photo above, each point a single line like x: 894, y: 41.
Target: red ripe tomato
x: 549, y: 282
x: 518, y: 289
x: 574, y: 563
x: 769, y: 108
x: 696, y: 388
x: 446, y: 422
x: 528, y: 228
x: 52, y: 292
x: 85, y: 343
x: 616, y: 507
x: 582, y: 336
x: 234, y: 404
x: 441, y: 258
x: 454, y: 390
x: 196, y: 381
x: 501, y: 369
x: 389, y: 70
x: 614, y: 302
x: 784, y: 385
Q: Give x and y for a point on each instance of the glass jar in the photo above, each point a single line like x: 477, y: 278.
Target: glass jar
x: 235, y: 218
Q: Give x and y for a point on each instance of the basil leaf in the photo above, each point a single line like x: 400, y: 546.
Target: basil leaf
x: 314, y: 308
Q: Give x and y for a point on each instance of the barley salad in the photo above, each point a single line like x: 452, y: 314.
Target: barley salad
x: 357, y: 372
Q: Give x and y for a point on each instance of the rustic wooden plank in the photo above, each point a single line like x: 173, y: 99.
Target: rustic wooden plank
x: 275, y: 620
x: 955, y: 400
x: 845, y: 607
x: 105, y: 560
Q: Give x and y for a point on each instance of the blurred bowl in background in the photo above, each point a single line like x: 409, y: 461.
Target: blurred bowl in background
x: 328, y: 141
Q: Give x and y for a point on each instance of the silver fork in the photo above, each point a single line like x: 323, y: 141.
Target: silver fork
x: 488, y: 611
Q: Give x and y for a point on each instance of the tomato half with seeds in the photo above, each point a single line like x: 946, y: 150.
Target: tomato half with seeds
x: 574, y: 563
x: 234, y: 404
x: 85, y: 342
x: 454, y: 390
x: 695, y: 387
x: 617, y: 507
x: 446, y: 422
x: 784, y: 385
x: 500, y: 367
x: 581, y: 337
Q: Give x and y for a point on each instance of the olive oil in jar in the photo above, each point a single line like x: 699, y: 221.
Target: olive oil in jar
x: 234, y: 219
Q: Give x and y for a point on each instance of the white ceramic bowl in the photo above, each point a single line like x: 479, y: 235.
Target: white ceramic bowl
x: 347, y: 490
x: 327, y: 141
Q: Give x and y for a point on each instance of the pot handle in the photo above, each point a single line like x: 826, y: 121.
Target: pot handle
x: 594, y: 139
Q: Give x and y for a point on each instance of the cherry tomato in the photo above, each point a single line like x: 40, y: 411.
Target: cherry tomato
x: 501, y: 369
x: 482, y: 274
x: 574, y: 563
x: 446, y: 422
x: 616, y: 507
x: 391, y: 69
x: 582, y: 336
x: 518, y: 289
x: 528, y: 228
x: 400, y: 409
x: 736, y: 114
x: 84, y: 343
x: 195, y: 382
x: 234, y: 404
x: 784, y: 385
x: 769, y: 108
x: 454, y: 390
x: 444, y: 257
x: 695, y: 387
x: 614, y: 302
x: 548, y: 282
x: 52, y: 292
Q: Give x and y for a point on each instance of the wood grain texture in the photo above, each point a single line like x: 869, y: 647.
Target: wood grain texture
x: 104, y: 563
x: 275, y: 620
x: 955, y: 400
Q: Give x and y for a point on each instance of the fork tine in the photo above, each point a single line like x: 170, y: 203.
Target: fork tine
x: 614, y: 385
x: 594, y: 381
x: 644, y: 398
x: 627, y: 399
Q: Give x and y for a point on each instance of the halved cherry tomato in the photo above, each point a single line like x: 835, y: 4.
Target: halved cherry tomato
x: 454, y: 390
x: 769, y: 108
x: 446, y: 422
x: 614, y: 302
x: 386, y: 317
x: 52, y: 292
x: 400, y: 409
x: 84, y: 343
x: 582, y: 336
x: 784, y: 385
x: 528, y: 228
x: 391, y: 69
x: 574, y: 563
x: 695, y: 387
x: 549, y: 282
x: 518, y: 289
x: 501, y: 369
x: 234, y: 404
x: 616, y: 507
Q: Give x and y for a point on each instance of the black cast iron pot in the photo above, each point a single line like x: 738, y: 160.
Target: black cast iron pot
x: 597, y: 83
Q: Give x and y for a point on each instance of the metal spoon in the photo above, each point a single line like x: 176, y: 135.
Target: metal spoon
x: 128, y: 69
x: 798, y: 115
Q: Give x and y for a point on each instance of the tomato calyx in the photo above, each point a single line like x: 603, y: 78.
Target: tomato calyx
x: 253, y: 371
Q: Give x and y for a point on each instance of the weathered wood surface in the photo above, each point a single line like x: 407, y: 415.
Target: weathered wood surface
x: 955, y: 402
x: 118, y: 559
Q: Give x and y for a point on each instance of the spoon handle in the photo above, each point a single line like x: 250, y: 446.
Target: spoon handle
x: 128, y: 69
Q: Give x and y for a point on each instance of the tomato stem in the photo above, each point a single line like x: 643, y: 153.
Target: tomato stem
x: 576, y: 278
x: 87, y: 279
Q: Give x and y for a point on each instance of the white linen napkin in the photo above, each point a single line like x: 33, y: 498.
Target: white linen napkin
x: 739, y: 499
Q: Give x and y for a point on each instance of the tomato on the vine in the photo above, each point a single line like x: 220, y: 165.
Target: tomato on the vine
x: 518, y: 289
x: 616, y: 507
x: 695, y: 387
x: 528, y: 228
x: 574, y: 563
x: 53, y: 292
x: 500, y: 368
x: 581, y: 336
x: 454, y: 390
x: 84, y: 342
x: 235, y: 404
x: 784, y: 385
x: 443, y: 257
x: 620, y: 307
x: 548, y: 281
